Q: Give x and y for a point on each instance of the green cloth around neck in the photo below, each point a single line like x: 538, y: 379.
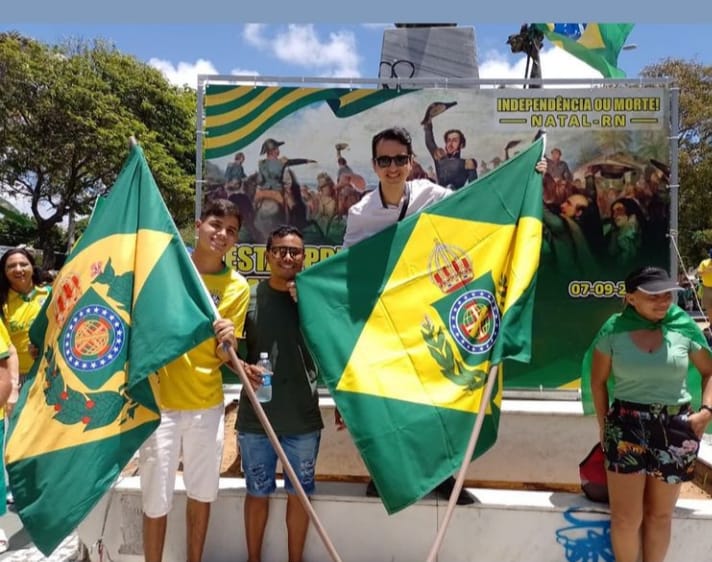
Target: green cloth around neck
x: 676, y: 320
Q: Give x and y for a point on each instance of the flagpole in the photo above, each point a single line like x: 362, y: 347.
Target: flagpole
x: 474, y: 436
x: 293, y: 478
x: 274, y: 440
x: 237, y: 368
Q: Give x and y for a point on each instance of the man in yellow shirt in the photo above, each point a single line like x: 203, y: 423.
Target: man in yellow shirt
x: 705, y: 271
x: 190, y: 396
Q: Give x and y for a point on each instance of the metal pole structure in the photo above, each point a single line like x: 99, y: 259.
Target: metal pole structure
x: 199, y: 124
x: 417, y: 82
x: 674, y: 185
x: 474, y: 436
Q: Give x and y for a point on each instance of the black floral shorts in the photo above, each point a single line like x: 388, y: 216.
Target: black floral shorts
x: 651, y: 438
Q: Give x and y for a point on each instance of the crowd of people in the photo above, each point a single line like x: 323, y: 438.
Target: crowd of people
x: 613, y: 214
x: 273, y: 195
x: 267, y: 317
x: 638, y: 376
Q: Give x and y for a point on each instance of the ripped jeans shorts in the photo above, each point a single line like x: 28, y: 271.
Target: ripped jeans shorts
x: 259, y: 461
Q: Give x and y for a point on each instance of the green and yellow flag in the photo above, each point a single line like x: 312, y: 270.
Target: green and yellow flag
x: 236, y: 116
x: 127, y: 301
x: 596, y: 44
x: 406, y: 324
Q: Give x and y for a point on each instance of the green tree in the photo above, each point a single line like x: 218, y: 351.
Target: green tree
x: 66, y: 114
x: 694, y: 81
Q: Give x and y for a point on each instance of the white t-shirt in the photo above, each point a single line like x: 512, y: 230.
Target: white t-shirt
x: 372, y: 214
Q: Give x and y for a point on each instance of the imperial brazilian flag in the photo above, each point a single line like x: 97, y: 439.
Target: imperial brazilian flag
x: 596, y: 44
x: 405, y: 325
x: 127, y: 301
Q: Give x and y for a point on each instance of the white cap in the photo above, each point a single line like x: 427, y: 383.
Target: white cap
x: 264, y: 355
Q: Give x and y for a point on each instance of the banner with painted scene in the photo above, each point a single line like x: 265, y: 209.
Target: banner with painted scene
x: 303, y: 156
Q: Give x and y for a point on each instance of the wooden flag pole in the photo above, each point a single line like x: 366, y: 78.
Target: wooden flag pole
x: 294, y: 479
x: 237, y: 368
x: 466, y: 459
x: 269, y: 430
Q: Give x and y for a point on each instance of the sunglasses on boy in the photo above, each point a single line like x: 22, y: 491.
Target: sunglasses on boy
x: 282, y: 251
x: 385, y: 161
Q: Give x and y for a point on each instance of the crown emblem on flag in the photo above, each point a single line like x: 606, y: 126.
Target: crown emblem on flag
x: 449, y: 267
x: 68, y: 293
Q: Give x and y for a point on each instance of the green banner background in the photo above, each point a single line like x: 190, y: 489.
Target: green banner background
x: 616, y: 135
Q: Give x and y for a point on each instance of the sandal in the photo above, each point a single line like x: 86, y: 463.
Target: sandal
x: 3, y: 542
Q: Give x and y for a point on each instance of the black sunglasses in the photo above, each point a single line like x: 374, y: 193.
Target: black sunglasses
x: 282, y: 251
x: 385, y: 161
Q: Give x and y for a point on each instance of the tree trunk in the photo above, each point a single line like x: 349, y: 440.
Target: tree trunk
x: 71, y: 230
x: 44, y: 242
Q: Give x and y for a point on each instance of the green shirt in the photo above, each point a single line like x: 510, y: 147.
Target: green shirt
x: 649, y: 378
x: 272, y: 325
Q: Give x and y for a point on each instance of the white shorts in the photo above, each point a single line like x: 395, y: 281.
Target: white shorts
x: 199, y: 434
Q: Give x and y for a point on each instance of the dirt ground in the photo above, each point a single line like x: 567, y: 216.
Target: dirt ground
x: 230, y: 467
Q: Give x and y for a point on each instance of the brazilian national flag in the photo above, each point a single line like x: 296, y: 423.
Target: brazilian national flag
x: 127, y: 301
x: 406, y: 324
x: 596, y: 44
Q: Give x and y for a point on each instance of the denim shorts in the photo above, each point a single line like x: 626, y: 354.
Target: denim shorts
x: 259, y: 461
x: 652, y: 438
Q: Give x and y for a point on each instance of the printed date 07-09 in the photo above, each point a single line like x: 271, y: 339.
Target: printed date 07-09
x: 596, y: 289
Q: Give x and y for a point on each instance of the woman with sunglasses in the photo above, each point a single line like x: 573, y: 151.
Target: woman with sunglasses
x: 21, y: 298
x: 642, y: 374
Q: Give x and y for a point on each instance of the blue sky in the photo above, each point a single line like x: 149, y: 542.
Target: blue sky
x: 181, y: 51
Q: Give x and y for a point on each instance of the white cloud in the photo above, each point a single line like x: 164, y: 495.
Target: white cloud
x: 555, y: 63
x: 187, y: 72
x: 301, y: 45
x: 253, y: 35
x: 184, y: 73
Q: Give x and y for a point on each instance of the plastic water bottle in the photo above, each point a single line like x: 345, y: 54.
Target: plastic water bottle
x: 264, y: 392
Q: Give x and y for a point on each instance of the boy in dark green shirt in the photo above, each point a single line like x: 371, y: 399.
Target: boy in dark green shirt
x: 272, y: 326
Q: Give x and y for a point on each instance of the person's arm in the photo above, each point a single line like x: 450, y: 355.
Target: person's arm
x: 567, y: 175
x: 702, y: 360
x: 430, y: 139
x: 225, y: 334
x: 13, y: 366
x: 600, y: 372
x: 5, y: 381
x: 471, y: 168
x: 253, y: 372
x: 298, y: 161
x: 269, y: 194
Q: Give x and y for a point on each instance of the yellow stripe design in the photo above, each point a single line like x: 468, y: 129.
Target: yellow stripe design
x: 227, y: 96
x: 237, y: 134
